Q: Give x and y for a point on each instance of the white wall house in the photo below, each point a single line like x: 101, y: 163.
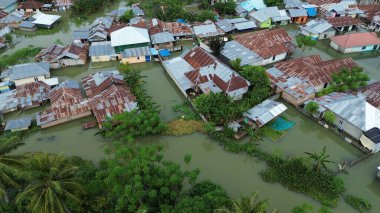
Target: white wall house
x: 26, y: 73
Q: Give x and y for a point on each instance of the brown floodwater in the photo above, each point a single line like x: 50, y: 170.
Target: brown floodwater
x: 237, y: 173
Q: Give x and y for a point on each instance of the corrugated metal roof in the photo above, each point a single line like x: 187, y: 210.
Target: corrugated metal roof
x: 6, y: 3
x: 27, y: 24
x: 45, y: 19
x: 265, y: 112
x: 233, y: 50
x: 19, y: 123
x: 297, y: 12
x: 225, y: 25
x: 101, y: 49
x: 136, y: 52
x: 177, y: 67
x: 205, y: 29
x: 9, y: 19
x: 293, y: 3
x: 28, y: 70
x: 135, y: 36
x: 245, y: 25
x: 249, y: 5
x: 160, y: 38
x: 317, y: 26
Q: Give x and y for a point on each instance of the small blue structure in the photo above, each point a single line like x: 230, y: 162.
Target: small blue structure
x: 165, y: 53
x: 181, y: 21
x: 311, y: 9
x: 280, y: 124
x: 153, y: 51
x: 250, y: 5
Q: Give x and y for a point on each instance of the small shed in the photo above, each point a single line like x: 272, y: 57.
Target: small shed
x: 136, y: 55
x: 371, y: 139
x: 18, y: 124
x: 298, y: 16
x: 265, y: 112
x: 27, y: 26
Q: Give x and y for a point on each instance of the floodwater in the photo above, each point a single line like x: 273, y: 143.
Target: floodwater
x: 237, y: 173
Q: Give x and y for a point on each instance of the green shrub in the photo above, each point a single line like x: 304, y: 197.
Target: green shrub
x: 358, y: 203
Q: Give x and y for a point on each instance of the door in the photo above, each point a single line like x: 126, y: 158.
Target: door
x: 375, y: 47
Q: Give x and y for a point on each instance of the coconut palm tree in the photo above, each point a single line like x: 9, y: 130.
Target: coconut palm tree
x: 248, y: 204
x: 320, y: 159
x: 51, y: 184
x: 8, y: 166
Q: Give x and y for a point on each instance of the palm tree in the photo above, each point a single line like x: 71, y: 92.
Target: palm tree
x: 51, y: 183
x: 248, y: 204
x: 8, y: 166
x: 320, y: 159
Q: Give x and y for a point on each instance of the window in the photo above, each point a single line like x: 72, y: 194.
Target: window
x: 138, y: 58
x: 35, y: 79
x: 274, y: 58
x: 363, y: 48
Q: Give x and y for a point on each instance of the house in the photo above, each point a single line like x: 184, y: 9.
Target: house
x: 137, y: 11
x: 119, y: 12
x: 314, y: 70
x: 265, y: 46
x: 26, y: 73
x: 312, y: 10
x: 372, y: 93
x: 137, y: 37
x: 27, y: 26
x: 30, y: 6
x: 353, y: 115
x: 59, y: 56
x: 11, y: 21
x: 375, y: 23
x: 47, y: 7
x: 233, y: 50
x: 162, y: 40
x: 298, y: 16
x: 45, y: 21
x: 318, y: 29
x: 371, y: 140
x: 269, y: 16
x: 62, y: 5
x: 4, y: 31
x: 8, y: 5
x: 292, y: 89
x: 343, y: 8
x: 108, y: 95
x: 102, y: 51
x: 370, y: 10
x: 344, y: 23
x: 236, y: 25
x: 245, y: 7
x: 6, y: 86
x: 355, y: 42
x: 197, y: 71
x: 33, y: 94
x: 81, y: 35
x: 136, y: 55
x: 18, y: 124
x: 8, y: 102
x: 264, y: 112
x: 206, y: 29
x: 177, y: 29
x: 67, y: 104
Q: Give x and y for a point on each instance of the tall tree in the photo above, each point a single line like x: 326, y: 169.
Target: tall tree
x: 248, y: 204
x: 8, y: 166
x: 52, y: 184
x: 216, y: 44
x: 236, y: 64
x: 347, y: 79
x: 320, y: 159
x: 225, y: 7
x: 305, y: 41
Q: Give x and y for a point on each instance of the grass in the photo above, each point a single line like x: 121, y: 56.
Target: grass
x: 20, y: 56
x: 183, y: 127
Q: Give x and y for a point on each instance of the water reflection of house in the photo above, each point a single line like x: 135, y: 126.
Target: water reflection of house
x: 197, y: 71
x: 298, y: 79
x: 108, y: 95
x: 67, y: 104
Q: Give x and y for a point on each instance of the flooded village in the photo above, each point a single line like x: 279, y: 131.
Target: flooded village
x: 67, y: 92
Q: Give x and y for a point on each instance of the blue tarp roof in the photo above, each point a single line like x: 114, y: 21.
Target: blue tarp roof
x: 180, y: 21
x: 165, y: 53
x: 153, y: 51
x: 249, y: 5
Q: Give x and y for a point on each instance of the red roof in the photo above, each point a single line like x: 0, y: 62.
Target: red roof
x: 172, y: 27
x: 356, y: 40
x: 31, y: 4
x: 320, y: 2
x: 370, y: 10
x: 266, y: 43
x: 372, y: 93
x: 116, y: 26
x: 313, y: 70
x: 343, y: 21
x: 198, y: 58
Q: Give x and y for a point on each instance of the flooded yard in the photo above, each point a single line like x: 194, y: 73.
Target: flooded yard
x: 237, y: 173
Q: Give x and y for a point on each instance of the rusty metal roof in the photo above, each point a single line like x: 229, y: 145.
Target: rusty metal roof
x: 266, y: 43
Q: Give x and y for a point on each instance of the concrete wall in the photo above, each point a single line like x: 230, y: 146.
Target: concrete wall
x: 71, y: 62
x: 102, y: 58
x: 66, y: 119
x: 359, y: 49
x: 28, y: 80
x: 369, y: 144
x: 277, y: 58
x: 347, y: 127
x: 133, y: 60
x: 327, y: 34
x: 296, y: 102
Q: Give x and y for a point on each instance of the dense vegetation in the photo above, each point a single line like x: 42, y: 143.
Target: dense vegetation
x: 20, y: 56
x: 358, y: 203
x: 87, y: 7
x: 345, y: 80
